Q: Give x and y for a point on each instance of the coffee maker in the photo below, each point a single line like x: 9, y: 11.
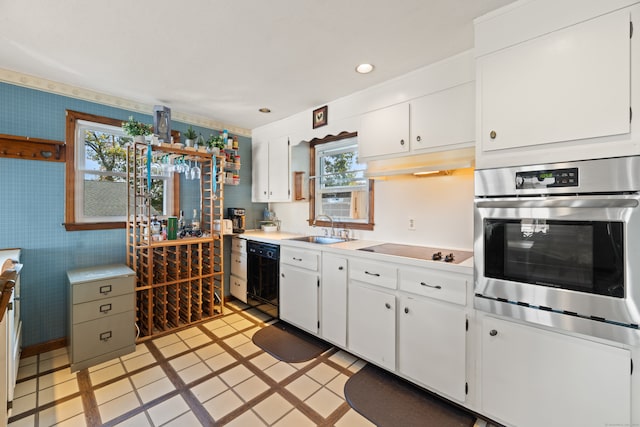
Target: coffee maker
x: 237, y: 217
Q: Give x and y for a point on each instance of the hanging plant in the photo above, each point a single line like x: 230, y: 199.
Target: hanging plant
x: 133, y: 127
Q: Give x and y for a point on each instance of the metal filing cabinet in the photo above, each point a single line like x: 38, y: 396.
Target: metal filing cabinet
x: 102, y: 314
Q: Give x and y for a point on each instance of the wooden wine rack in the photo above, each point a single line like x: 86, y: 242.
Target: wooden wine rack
x: 179, y: 282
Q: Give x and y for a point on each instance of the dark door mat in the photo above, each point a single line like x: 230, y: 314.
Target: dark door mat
x: 288, y: 343
x: 389, y: 401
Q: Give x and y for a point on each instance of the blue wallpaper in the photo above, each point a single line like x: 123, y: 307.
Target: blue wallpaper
x: 32, y: 208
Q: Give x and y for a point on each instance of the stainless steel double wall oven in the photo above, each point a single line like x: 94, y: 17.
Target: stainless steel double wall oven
x: 559, y: 245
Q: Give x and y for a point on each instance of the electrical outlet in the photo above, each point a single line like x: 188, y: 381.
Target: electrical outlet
x: 412, y: 224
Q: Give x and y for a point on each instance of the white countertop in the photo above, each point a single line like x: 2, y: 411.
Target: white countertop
x: 351, y: 246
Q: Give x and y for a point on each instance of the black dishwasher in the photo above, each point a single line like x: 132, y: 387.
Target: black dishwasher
x: 263, y: 267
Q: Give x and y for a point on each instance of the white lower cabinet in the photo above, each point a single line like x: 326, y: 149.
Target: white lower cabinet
x: 431, y: 345
x: 238, y: 276
x: 299, y: 287
x: 333, y: 303
x: 534, y: 377
x: 372, y: 324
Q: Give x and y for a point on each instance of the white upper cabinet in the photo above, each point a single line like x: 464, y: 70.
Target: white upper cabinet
x: 564, y: 95
x: 384, y: 132
x: 271, y: 171
x: 441, y: 121
x: 445, y: 119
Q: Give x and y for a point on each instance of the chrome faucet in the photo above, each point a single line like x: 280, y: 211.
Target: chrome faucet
x: 326, y: 217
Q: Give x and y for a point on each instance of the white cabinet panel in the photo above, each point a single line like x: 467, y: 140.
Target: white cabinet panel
x: 440, y: 285
x: 299, y: 297
x: 532, y: 377
x: 431, y: 345
x: 333, y: 313
x: 271, y: 171
x: 568, y: 85
x: 372, y: 325
x: 376, y: 273
x: 279, y: 171
x: 300, y: 258
x: 239, y: 265
x: 260, y: 172
x: 238, y: 288
x: 444, y: 119
x: 383, y: 132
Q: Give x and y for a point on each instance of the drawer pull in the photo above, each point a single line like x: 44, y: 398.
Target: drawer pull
x: 105, y: 308
x: 105, y: 336
x: 386, y: 304
x: 341, y: 268
x: 372, y: 274
x: 104, y: 290
x: 493, y: 332
x: 431, y: 286
x: 297, y: 259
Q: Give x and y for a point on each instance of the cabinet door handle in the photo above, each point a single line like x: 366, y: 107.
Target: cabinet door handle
x: 431, y: 286
x: 282, y: 274
x: 105, y: 308
x: 493, y: 332
x: 297, y: 259
x: 386, y: 304
x: 418, y: 138
x: 105, y: 336
x: 493, y: 134
x: 406, y: 310
x: 104, y: 290
x: 372, y: 274
x: 341, y: 268
x: 402, y: 142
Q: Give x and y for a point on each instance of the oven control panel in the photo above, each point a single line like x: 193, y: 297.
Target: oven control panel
x: 552, y: 178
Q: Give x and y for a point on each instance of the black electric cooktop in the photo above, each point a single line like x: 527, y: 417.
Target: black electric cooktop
x: 420, y: 252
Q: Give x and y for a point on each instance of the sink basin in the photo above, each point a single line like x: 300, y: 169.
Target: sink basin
x: 322, y: 240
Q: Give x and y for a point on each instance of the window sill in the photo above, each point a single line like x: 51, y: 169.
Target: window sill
x: 83, y: 226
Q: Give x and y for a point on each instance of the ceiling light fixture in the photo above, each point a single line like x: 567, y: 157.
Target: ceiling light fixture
x: 364, y: 68
x: 264, y: 110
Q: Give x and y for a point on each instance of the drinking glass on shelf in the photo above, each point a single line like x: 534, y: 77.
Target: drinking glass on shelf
x: 195, y: 171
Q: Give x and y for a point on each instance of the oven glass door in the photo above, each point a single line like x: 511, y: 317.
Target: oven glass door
x: 585, y: 256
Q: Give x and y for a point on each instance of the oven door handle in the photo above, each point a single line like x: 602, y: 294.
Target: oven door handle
x: 559, y: 203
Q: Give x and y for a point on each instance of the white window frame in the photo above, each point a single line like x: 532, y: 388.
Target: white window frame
x: 332, y: 148
x: 81, y: 171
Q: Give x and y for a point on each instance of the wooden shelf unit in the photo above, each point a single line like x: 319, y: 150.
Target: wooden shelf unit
x: 178, y: 282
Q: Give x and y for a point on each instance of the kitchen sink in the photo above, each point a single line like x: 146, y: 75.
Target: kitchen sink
x: 322, y: 240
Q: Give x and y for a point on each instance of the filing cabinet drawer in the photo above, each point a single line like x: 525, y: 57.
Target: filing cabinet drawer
x: 103, y: 336
x: 102, y: 308
x: 105, y: 288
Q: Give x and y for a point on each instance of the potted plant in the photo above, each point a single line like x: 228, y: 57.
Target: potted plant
x: 136, y: 129
x: 215, y: 144
x: 190, y: 137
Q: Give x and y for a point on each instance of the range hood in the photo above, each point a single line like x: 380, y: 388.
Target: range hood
x: 422, y: 164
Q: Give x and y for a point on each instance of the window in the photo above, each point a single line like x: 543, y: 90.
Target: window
x: 96, y: 174
x: 341, y: 189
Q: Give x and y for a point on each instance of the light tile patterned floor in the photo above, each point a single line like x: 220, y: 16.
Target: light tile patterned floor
x: 209, y: 374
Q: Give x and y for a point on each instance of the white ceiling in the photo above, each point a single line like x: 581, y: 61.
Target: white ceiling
x: 224, y: 59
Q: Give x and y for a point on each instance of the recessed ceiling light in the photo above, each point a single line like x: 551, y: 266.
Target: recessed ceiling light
x: 364, y: 68
x: 264, y: 110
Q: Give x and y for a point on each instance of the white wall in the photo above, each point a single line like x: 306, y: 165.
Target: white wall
x: 441, y: 206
